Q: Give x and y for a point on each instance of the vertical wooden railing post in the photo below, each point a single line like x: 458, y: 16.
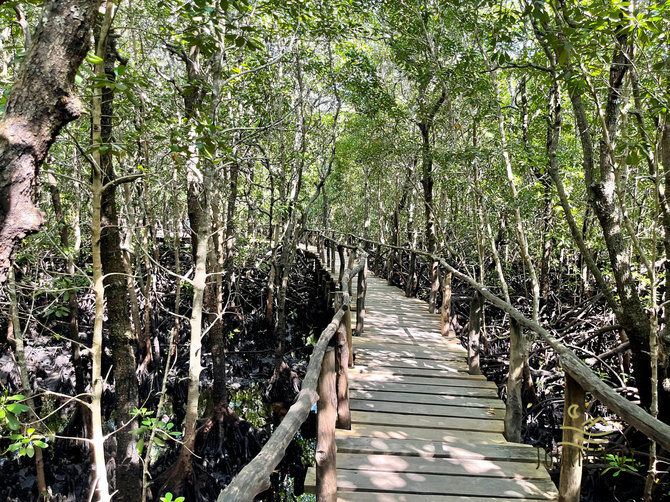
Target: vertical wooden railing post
x: 340, y: 253
x: 474, y: 333
x: 326, y: 468
x: 361, y: 290
x: 347, y: 325
x: 445, y: 313
x: 514, y: 406
x: 391, y: 264
x: 573, y: 438
x: 327, y: 290
x: 332, y: 256
x: 434, y: 284
x: 343, y: 353
x: 411, y: 275
x: 350, y: 265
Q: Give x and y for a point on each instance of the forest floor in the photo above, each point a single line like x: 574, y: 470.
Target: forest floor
x: 250, y: 363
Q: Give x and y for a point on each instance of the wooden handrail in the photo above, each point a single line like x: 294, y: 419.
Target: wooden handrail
x: 572, y: 365
x: 254, y: 478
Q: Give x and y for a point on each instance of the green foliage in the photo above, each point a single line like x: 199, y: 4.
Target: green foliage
x: 619, y: 463
x: 168, y: 498
x: 25, y: 444
x: 248, y: 402
x: 162, y: 430
x: 10, y: 408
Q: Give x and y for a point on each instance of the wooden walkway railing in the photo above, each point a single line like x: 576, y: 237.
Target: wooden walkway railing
x: 326, y: 380
x: 578, y: 376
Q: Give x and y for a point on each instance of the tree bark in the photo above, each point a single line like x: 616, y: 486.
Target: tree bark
x: 121, y: 334
x: 427, y: 182
x: 40, y: 103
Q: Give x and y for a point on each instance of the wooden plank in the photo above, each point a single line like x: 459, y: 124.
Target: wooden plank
x: 422, y: 433
x: 434, y: 484
x: 489, y: 400
x: 413, y: 497
x: 426, y: 373
x: 419, y: 391
x: 442, y: 466
x: 424, y: 364
x: 434, y: 410
x: 399, y: 339
x: 411, y: 421
x: 417, y: 352
x: 439, y: 449
x: 383, y: 377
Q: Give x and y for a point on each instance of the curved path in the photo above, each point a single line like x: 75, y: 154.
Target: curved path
x: 423, y: 428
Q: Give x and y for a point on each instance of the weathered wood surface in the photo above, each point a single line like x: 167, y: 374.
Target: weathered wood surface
x: 422, y: 427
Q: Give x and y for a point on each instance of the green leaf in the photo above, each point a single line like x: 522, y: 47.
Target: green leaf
x: 140, y: 446
x: 30, y: 451
x: 159, y: 441
x: 39, y: 444
x: 17, y: 408
x: 93, y: 59
x: 12, y: 422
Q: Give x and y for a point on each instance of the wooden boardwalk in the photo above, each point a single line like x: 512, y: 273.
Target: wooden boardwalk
x: 423, y: 429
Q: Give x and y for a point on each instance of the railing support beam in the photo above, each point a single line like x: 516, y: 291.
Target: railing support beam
x: 343, y: 355
x: 326, y: 449
x: 446, y: 303
x: 361, y: 290
x: 514, y: 405
x: 474, y: 329
x: 573, y: 439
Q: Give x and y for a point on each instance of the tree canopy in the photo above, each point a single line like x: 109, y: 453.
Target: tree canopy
x: 192, y: 142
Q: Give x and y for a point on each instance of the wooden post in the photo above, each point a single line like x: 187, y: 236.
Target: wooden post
x: 474, y: 332
x: 338, y: 298
x: 326, y: 469
x: 340, y: 252
x: 347, y: 324
x: 350, y: 265
x: 391, y: 261
x: 446, y: 303
x: 342, y: 356
x: 514, y: 406
x: 327, y: 289
x: 326, y: 247
x: 361, y: 290
x: 573, y: 438
x: 411, y: 279
x: 332, y: 256
x: 434, y: 284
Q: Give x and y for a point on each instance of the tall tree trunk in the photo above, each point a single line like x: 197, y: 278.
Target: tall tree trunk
x: 427, y: 182
x: 100, y: 486
x: 602, y: 192
x: 183, y: 468
x: 39, y: 104
x: 121, y: 335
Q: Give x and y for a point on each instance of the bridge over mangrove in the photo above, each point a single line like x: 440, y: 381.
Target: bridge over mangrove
x: 403, y: 410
